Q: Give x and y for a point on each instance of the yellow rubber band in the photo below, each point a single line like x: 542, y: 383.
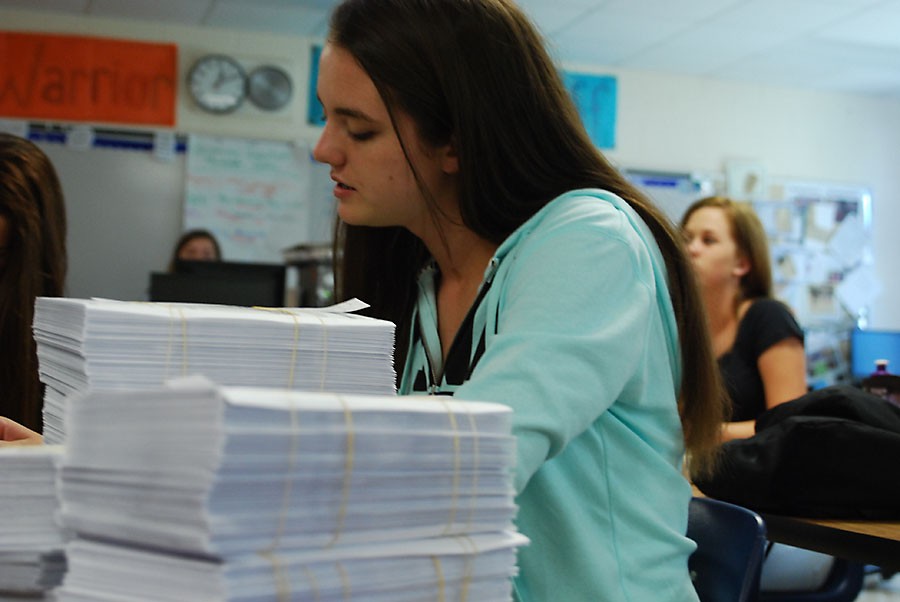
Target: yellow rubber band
x: 476, y: 465
x: 467, y: 569
x: 294, y: 347
x: 313, y: 584
x: 184, y: 343
x: 440, y: 578
x: 282, y: 584
x: 454, y: 498
x: 348, y: 473
x: 345, y: 581
x: 171, y: 341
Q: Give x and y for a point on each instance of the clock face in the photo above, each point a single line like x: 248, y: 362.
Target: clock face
x: 217, y: 83
x: 269, y: 87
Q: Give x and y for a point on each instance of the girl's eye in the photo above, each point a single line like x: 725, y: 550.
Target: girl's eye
x: 361, y: 136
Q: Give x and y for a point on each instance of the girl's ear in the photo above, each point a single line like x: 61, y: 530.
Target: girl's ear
x: 449, y: 157
x: 741, y: 266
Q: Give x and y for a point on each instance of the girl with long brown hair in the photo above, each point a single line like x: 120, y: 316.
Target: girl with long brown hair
x: 32, y: 264
x: 521, y: 268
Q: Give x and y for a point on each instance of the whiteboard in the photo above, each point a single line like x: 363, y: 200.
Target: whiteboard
x: 258, y: 197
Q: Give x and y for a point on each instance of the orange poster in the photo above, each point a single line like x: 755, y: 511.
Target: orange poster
x: 78, y: 78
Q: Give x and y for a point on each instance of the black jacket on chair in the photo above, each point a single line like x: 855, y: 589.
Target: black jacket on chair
x: 832, y: 453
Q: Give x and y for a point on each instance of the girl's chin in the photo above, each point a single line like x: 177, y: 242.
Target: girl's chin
x: 352, y: 218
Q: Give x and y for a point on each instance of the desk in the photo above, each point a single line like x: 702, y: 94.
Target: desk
x: 868, y: 541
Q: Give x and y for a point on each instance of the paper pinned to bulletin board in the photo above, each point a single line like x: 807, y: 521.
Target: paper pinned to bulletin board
x: 819, y: 235
x: 820, y: 241
x: 258, y: 197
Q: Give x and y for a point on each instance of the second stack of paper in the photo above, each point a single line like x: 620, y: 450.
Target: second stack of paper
x: 244, y: 492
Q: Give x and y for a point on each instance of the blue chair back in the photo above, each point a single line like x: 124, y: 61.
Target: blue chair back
x: 731, y: 543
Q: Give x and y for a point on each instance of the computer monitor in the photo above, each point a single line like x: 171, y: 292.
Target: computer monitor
x: 221, y: 282
x: 866, y: 346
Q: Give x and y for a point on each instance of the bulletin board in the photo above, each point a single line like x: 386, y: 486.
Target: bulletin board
x: 819, y: 236
x: 822, y: 261
x: 258, y: 197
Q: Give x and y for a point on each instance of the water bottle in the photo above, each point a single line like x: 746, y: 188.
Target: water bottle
x: 882, y: 383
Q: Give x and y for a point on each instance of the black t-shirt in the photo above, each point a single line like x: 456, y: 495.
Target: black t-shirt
x: 765, y: 323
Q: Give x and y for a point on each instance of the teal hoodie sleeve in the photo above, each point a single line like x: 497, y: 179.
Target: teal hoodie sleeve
x: 577, y: 305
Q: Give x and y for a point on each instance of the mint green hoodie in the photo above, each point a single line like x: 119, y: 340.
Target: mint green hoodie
x: 581, y: 342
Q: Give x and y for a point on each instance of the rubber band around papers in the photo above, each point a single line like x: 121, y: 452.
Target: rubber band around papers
x: 282, y: 584
x: 439, y: 573
x: 457, y: 462
x: 345, y: 581
x: 454, y: 497
x: 476, y: 465
x: 324, y: 353
x: 289, y: 475
x: 293, y: 314
x: 467, y: 570
x: 313, y: 584
x: 184, y: 345
x: 293, y: 365
x: 348, y: 473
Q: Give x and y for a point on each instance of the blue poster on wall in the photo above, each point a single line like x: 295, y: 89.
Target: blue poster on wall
x: 595, y: 99
x: 316, y: 114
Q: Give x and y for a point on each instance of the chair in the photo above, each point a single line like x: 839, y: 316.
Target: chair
x: 844, y: 582
x: 731, y: 542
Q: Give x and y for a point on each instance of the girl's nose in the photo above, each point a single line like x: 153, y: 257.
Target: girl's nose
x: 693, y: 246
x: 325, y: 150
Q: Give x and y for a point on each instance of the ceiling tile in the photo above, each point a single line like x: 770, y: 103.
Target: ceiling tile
x: 706, y: 49
x: 58, y: 6
x: 567, y: 5
x: 185, y: 12
x: 814, y: 64
x: 273, y: 17
x: 789, y: 16
x: 684, y: 10
x: 551, y: 19
x: 597, y: 38
x: 877, y: 26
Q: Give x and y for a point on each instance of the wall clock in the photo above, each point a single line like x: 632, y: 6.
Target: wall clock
x: 217, y: 83
x: 269, y: 87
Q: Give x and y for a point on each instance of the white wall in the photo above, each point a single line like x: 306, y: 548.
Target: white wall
x: 695, y: 124
x: 124, y: 212
x: 664, y: 122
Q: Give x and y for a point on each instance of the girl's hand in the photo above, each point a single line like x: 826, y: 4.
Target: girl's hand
x: 12, y: 433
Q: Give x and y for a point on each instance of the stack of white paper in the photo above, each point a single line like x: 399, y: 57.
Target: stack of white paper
x: 31, y: 541
x: 238, y: 493
x: 104, y: 344
x: 476, y: 569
